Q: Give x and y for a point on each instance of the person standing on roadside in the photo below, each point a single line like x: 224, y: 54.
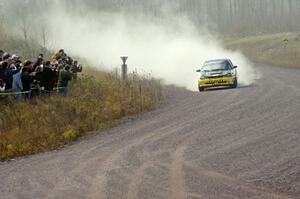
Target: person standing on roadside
x: 49, y: 77
x: 76, y: 68
x: 17, y: 81
x: 7, y: 75
x: 59, y: 55
x: 27, y: 78
x: 63, y: 80
x: 37, y: 79
x: 39, y: 62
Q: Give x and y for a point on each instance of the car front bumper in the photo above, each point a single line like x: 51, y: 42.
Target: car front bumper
x: 216, y: 82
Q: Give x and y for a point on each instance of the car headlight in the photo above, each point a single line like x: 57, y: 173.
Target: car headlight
x: 202, y: 77
x: 228, y: 74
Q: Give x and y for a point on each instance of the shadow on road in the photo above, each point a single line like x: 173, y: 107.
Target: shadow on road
x: 228, y: 88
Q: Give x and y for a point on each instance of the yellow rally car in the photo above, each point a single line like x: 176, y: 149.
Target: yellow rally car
x: 218, y: 73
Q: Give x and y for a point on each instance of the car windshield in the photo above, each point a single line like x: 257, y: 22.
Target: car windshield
x: 216, y: 66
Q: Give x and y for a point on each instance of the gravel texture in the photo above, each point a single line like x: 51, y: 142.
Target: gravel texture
x: 230, y: 143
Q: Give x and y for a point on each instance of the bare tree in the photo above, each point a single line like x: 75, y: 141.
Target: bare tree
x: 226, y: 16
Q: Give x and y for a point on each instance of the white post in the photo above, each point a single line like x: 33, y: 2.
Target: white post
x: 124, y: 68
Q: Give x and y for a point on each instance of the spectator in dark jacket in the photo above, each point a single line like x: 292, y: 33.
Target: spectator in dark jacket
x: 49, y: 77
x: 7, y: 75
x: 37, y: 79
x: 63, y: 80
x: 40, y: 61
x: 26, y: 77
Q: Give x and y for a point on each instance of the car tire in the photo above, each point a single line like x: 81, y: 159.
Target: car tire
x: 235, y: 84
x: 201, y: 89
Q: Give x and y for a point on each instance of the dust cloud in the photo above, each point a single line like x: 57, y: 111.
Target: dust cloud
x: 170, y: 47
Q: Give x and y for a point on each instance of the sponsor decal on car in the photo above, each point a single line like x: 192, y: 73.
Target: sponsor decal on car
x: 217, y: 81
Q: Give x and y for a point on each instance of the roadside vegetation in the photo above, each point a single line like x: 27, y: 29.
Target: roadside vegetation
x: 97, y: 100
x: 281, y: 49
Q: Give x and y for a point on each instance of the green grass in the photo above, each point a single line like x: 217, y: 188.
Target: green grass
x: 282, y: 49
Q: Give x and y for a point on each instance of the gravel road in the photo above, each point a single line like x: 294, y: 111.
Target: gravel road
x: 230, y: 143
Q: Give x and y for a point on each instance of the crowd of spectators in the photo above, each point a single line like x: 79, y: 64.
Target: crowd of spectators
x: 28, y: 79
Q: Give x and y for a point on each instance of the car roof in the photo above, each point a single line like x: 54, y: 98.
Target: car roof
x: 217, y: 60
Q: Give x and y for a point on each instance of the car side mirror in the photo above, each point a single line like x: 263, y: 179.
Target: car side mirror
x: 234, y: 66
x: 198, y: 71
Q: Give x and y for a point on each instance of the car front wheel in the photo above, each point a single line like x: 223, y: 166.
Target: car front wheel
x: 235, y: 84
x: 201, y: 89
